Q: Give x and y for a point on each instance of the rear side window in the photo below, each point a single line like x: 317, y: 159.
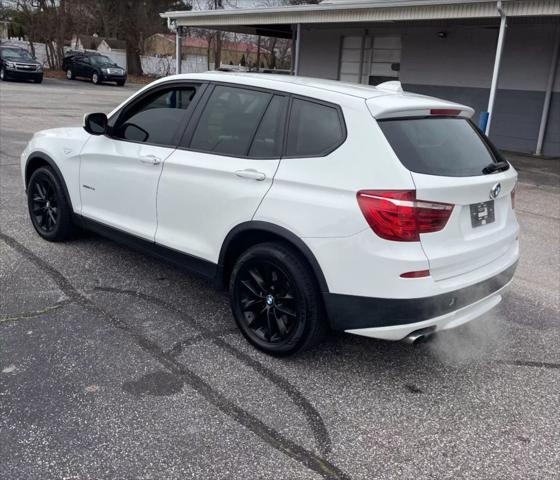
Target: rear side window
x: 314, y: 129
x: 449, y: 147
x: 268, y: 139
x: 229, y: 121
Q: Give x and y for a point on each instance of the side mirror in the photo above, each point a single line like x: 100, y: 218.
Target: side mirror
x: 95, y: 123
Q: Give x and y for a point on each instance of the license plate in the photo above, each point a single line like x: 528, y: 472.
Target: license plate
x: 482, y: 213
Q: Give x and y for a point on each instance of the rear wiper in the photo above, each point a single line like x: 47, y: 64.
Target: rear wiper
x: 495, y: 167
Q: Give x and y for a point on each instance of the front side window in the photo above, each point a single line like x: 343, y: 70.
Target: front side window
x: 157, y: 117
x: 229, y: 121
x: 268, y: 139
x: 314, y: 130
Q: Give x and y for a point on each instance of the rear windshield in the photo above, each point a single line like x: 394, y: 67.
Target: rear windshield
x: 449, y: 147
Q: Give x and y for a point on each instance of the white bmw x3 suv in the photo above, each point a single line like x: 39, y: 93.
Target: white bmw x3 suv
x: 319, y: 204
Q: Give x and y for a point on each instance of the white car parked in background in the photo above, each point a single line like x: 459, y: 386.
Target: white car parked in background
x: 317, y: 203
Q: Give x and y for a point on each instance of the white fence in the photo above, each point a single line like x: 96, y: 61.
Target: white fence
x: 163, y: 66
x: 154, y: 66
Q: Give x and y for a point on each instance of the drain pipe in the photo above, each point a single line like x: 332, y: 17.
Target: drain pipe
x: 362, y: 54
x: 296, y: 41
x: 548, y: 94
x: 178, y: 49
x: 497, y: 61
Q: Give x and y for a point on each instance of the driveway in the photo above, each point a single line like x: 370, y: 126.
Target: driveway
x: 115, y: 365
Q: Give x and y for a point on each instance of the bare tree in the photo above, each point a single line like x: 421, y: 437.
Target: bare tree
x: 54, y: 21
x: 214, y: 38
x: 46, y: 21
x: 218, y: 4
x: 137, y: 20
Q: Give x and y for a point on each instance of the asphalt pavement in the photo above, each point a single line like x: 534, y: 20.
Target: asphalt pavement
x: 114, y: 365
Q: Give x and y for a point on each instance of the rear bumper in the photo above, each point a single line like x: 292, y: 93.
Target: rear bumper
x: 351, y: 313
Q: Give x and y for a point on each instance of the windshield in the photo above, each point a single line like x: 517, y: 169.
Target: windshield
x: 100, y: 60
x: 450, y: 147
x: 16, y: 54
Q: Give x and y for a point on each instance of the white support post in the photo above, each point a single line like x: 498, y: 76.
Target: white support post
x: 497, y: 61
x: 178, y: 49
x: 296, y: 49
x: 548, y: 93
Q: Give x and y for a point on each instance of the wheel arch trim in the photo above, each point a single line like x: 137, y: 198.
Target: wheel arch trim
x: 266, y: 227
x: 51, y: 163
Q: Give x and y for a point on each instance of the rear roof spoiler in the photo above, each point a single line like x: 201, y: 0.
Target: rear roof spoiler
x: 394, y: 102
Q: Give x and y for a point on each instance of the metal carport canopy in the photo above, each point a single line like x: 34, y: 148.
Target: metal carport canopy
x: 369, y: 11
x: 281, y: 21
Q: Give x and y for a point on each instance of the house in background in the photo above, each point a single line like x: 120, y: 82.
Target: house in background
x: 161, y: 44
x: 108, y: 45
x: 85, y: 42
x: 497, y: 56
x: 95, y: 42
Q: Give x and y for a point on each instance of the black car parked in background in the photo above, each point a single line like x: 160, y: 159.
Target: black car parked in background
x: 17, y: 64
x: 94, y: 66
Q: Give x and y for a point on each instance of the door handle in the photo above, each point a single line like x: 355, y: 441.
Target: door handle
x: 251, y: 174
x: 150, y: 160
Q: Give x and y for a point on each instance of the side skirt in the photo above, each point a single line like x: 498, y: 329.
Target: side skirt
x: 183, y: 261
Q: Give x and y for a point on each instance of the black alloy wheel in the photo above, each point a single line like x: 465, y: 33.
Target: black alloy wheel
x: 274, y: 300
x: 48, y: 206
x: 44, y: 205
x: 268, y: 301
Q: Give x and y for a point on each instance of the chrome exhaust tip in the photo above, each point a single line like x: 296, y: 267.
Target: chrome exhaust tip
x: 419, y: 336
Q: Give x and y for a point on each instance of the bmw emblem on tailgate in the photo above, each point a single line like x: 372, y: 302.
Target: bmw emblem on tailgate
x: 496, y: 189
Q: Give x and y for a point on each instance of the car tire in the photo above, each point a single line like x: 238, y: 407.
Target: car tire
x: 3, y: 75
x: 275, y: 300
x: 70, y: 74
x: 95, y: 78
x: 38, y: 80
x: 49, y: 208
x: 121, y: 83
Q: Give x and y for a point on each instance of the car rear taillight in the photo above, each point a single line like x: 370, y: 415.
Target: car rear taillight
x: 398, y: 215
x: 416, y: 274
x: 447, y: 112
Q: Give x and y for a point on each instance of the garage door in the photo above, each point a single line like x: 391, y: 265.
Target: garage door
x: 350, y: 59
x: 376, y: 59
